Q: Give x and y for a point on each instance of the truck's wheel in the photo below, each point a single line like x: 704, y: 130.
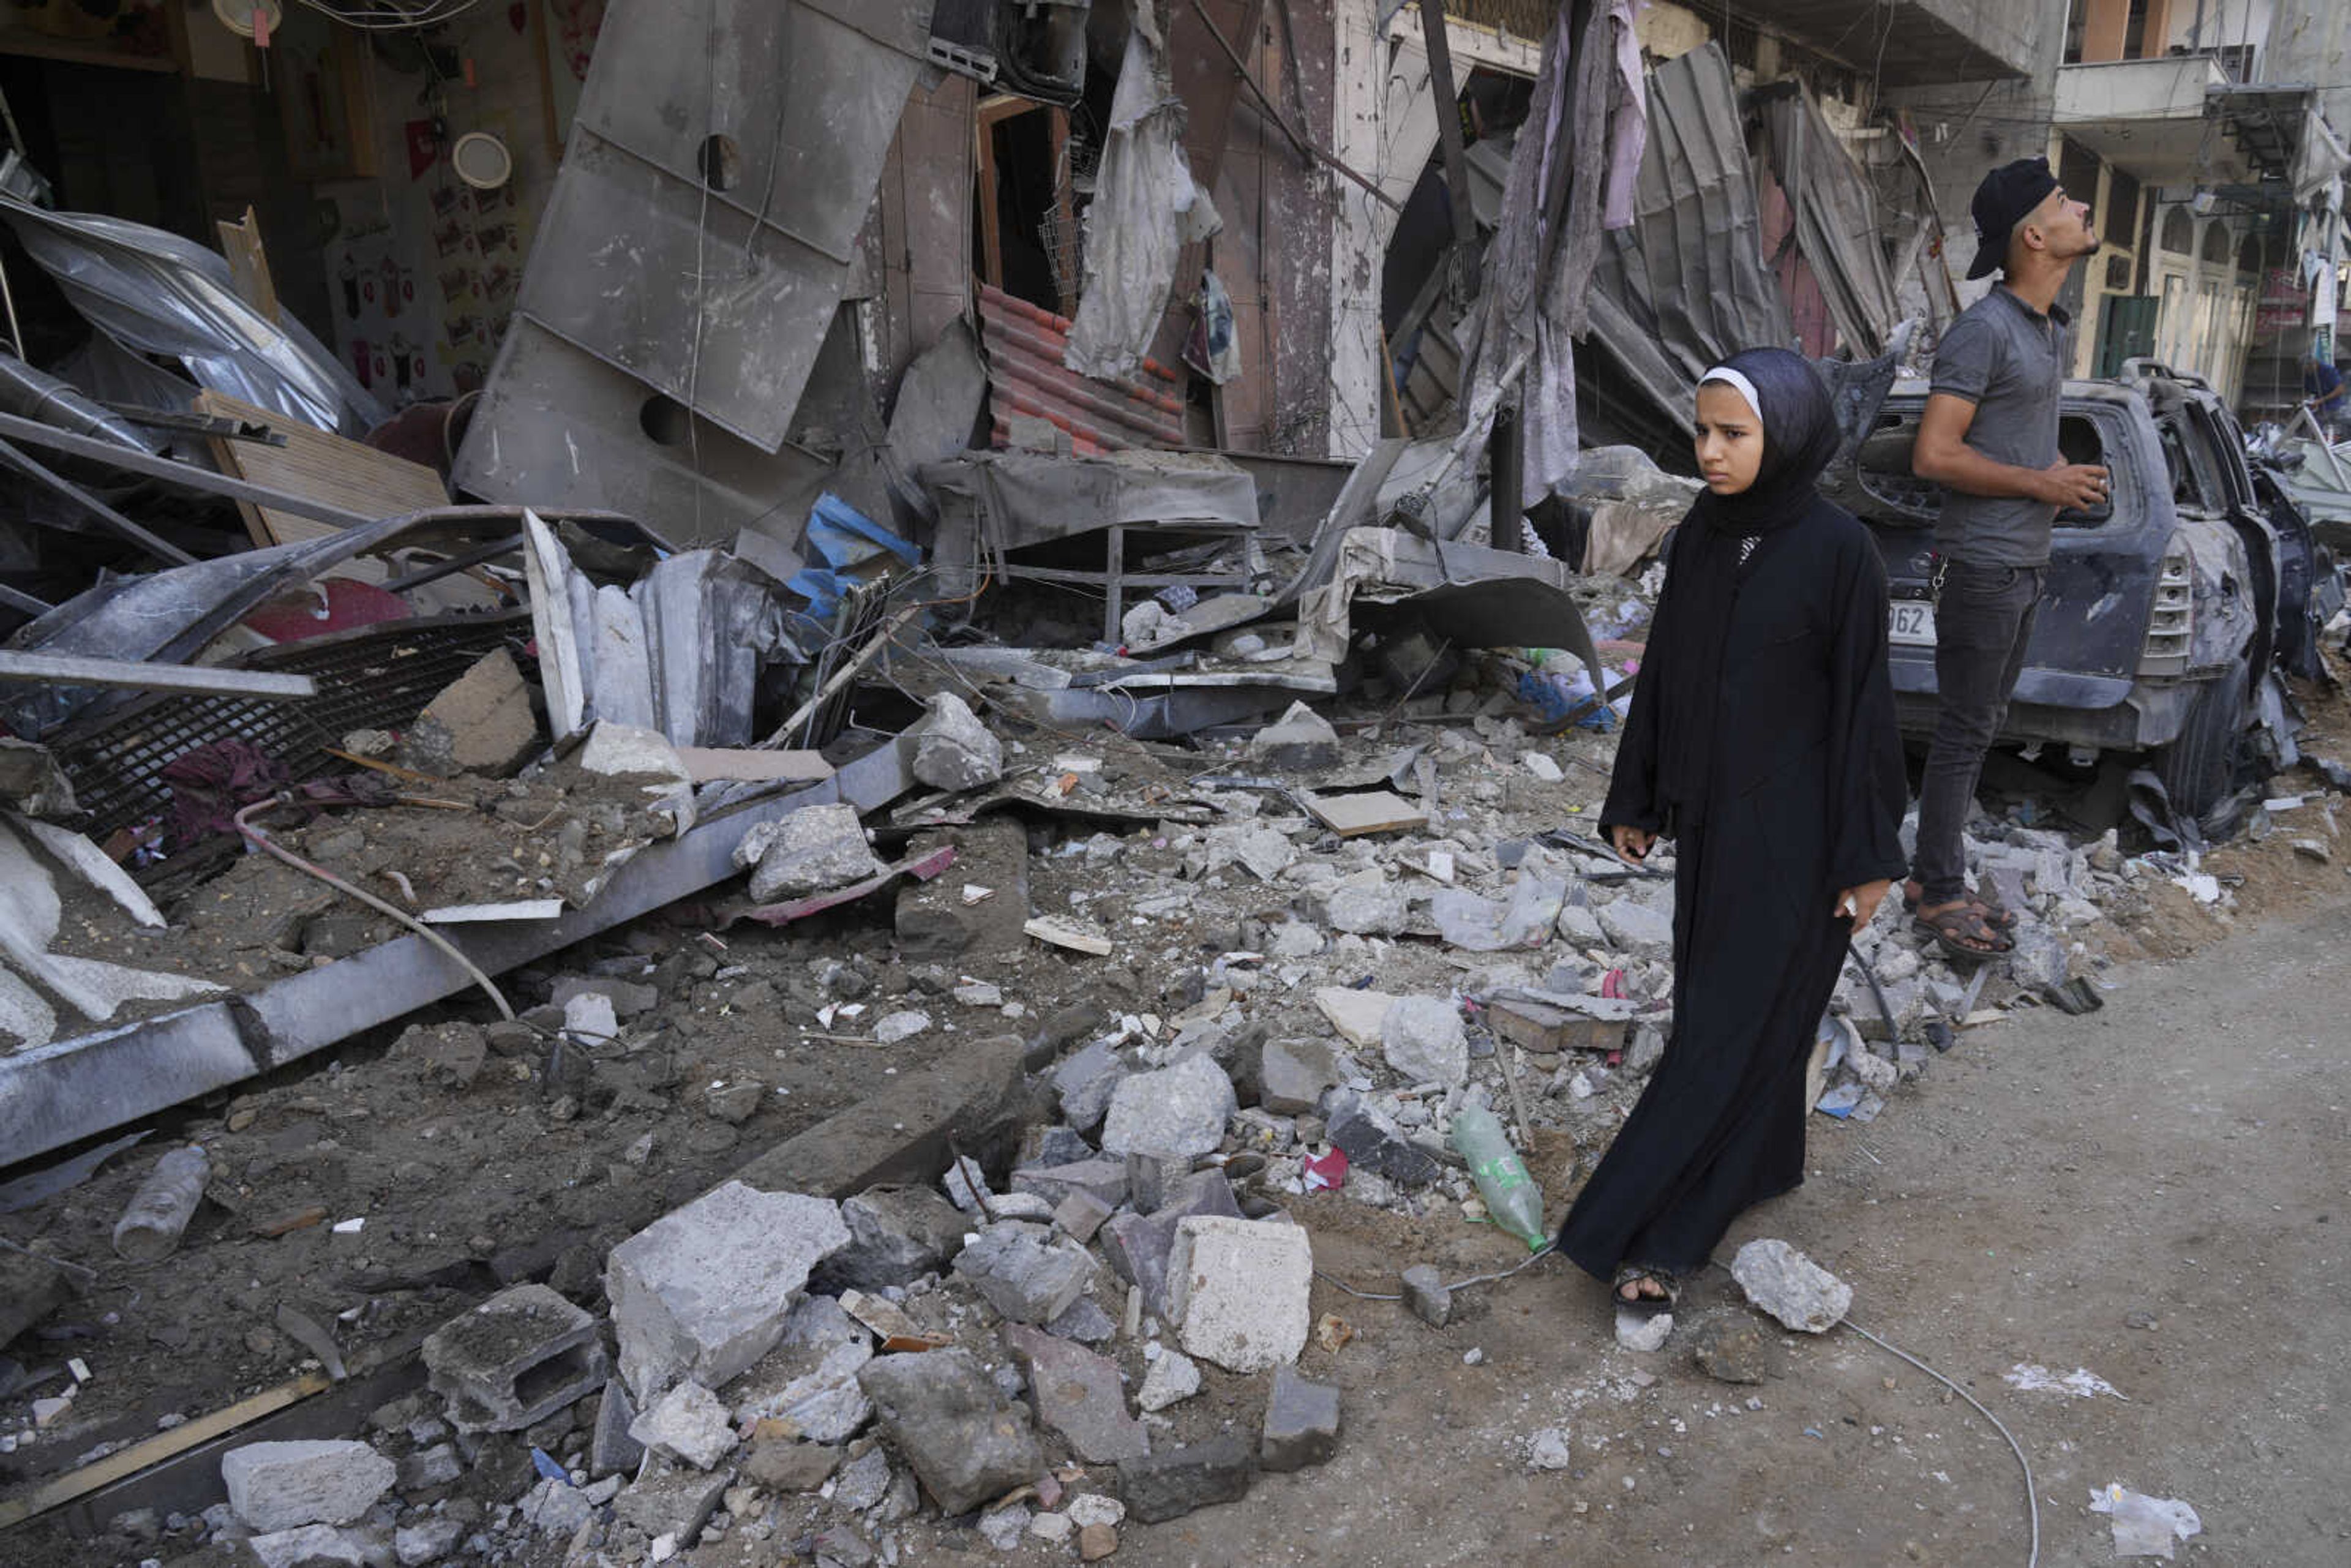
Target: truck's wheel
x: 2196, y: 767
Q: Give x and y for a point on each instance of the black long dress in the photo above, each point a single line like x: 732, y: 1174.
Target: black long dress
x: 1803, y: 790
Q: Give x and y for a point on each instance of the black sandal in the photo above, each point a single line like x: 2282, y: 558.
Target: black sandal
x: 1997, y: 915
x: 1633, y: 1274
x: 1964, y: 933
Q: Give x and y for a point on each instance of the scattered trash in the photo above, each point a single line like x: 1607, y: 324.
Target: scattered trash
x: 2081, y: 1382
x: 2144, y: 1526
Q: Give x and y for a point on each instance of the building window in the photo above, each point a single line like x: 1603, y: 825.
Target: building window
x: 2119, y: 222
x: 2217, y: 245
x: 2179, y: 232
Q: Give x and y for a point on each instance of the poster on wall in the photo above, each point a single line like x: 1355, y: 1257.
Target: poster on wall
x: 319, y: 74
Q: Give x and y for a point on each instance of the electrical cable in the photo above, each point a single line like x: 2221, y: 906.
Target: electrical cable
x: 2031, y: 1500
x: 1537, y: 1256
x: 386, y: 16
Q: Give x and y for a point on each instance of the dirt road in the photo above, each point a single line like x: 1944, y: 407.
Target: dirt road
x: 2158, y: 1192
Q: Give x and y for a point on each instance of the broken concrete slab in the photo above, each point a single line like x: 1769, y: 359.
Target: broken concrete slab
x: 942, y: 1411
x: 610, y: 1450
x: 1079, y: 1394
x: 480, y: 724
x: 1300, y: 741
x: 313, y: 1546
x: 1173, y: 1379
x: 676, y: 1505
x: 1425, y: 1294
x: 896, y: 1235
x: 1293, y: 1073
x: 1179, y: 1111
x: 810, y: 851
x: 1025, y: 1272
x: 1103, y: 1180
x: 703, y: 1292
x: 1087, y: 1081
x: 1791, y: 1286
x: 1371, y: 1141
x: 687, y: 1423
x: 953, y: 750
x: 1644, y: 933
x: 1176, y: 1481
x: 1424, y: 1039
x: 1368, y: 909
x: 826, y: 1405
x: 1138, y: 1246
x: 1302, y: 1423
x: 1239, y: 1288
x: 277, y: 1486
x: 1357, y: 1015
x: 515, y: 1360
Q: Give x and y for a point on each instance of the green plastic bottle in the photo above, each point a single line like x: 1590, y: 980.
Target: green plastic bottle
x: 1510, y: 1194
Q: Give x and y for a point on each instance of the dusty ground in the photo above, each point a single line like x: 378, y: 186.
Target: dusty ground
x: 2009, y: 1208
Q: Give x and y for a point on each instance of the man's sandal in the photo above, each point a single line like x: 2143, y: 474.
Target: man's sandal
x: 1636, y: 1275
x: 1997, y: 915
x: 1964, y: 933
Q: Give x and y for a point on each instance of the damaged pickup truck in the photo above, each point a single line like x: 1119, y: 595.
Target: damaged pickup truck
x: 2170, y: 608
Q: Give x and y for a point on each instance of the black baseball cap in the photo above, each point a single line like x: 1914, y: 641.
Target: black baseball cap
x: 2007, y: 194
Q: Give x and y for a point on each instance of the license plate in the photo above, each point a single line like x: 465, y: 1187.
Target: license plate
x: 1911, y: 622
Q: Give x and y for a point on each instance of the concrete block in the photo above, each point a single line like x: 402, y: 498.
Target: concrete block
x: 703, y: 1292
x: 1138, y: 1245
x: 1026, y: 1274
x: 517, y: 1359
x: 1079, y: 1394
x: 1424, y: 1041
x: 676, y: 1505
x: 481, y: 723
x: 896, y: 1235
x: 1104, y: 1180
x: 953, y: 749
x: 1238, y: 1288
x: 942, y: 1411
x: 1424, y: 1294
x: 1175, y: 1482
x: 1178, y: 1111
x: 687, y: 1423
x: 610, y: 1450
x: 277, y: 1486
x: 1295, y: 1073
x: 1302, y: 1423
x: 814, y: 850
x: 311, y: 1546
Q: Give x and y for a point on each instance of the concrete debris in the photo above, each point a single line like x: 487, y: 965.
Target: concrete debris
x: 676, y: 1506
x: 1730, y: 1349
x: 1176, y: 1481
x: 703, y: 1293
x: 1644, y: 933
x: 1173, y: 1379
x: 1357, y: 1015
x: 1179, y: 1111
x: 1644, y: 1332
x: 311, y: 1545
x: 687, y: 1423
x: 1025, y: 1272
x: 1078, y: 1393
x: 1302, y: 1423
x: 1549, y: 1451
x: 812, y: 850
x: 942, y: 1411
x: 1300, y: 741
x: 826, y: 1406
x: 1371, y: 907
x: 1239, y: 1289
x: 786, y: 1466
x: 953, y: 750
x: 1791, y: 1286
x: 610, y: 1450
x: 1293, y: 1074
x: 1425, y: 1294
x: 481, y: 724
x: 1424, y: 1039
x: 277, y: 1486
x: 515, y: 1360
x: 896, y: 1235
x: 1140, y: 1246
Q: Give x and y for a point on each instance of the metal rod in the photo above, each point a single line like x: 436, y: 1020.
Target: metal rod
x: 842, y: 676
x: 162, y: 549
x: 455, y: 563
x: 1447, y: 94
x: 58, y: 669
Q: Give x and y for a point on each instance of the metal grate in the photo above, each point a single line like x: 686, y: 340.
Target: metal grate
x: 377, y: 678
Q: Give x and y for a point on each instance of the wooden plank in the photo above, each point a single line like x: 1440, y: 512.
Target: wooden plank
x: 1061, y: 933
x: 249, y: 263
x: 1548, y: 1030
x: 1380, y: 811
x: 155, y: 1450
x: 317, y: 466
x: 704, y: 764
x: 62, y: 669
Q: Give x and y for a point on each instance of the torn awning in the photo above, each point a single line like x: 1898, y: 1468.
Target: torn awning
x: 1837, y: 224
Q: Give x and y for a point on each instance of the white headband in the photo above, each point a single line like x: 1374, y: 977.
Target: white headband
x: 1737, y: 383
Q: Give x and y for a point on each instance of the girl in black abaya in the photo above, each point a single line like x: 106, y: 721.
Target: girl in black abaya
x: 1762, y: 741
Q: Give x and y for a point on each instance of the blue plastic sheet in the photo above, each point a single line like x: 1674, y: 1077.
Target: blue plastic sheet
x: 847, y: 540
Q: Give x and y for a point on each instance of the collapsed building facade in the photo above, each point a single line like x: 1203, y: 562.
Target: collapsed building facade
x: 1087, y: 551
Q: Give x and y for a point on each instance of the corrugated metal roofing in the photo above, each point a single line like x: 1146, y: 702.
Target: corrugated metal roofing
x: 1026, y: 375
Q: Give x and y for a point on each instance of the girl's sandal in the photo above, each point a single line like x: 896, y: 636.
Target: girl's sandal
x: 1964, y: 933
x: 1636, y: 1275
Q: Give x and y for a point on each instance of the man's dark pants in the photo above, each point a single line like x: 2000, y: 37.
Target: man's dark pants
x: 1983, y: 619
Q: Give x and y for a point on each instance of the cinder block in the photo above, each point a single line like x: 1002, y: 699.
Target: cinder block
x: 515, y: 1360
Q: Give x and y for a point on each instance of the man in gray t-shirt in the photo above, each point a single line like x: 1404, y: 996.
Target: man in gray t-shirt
x: 1989, y: 437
